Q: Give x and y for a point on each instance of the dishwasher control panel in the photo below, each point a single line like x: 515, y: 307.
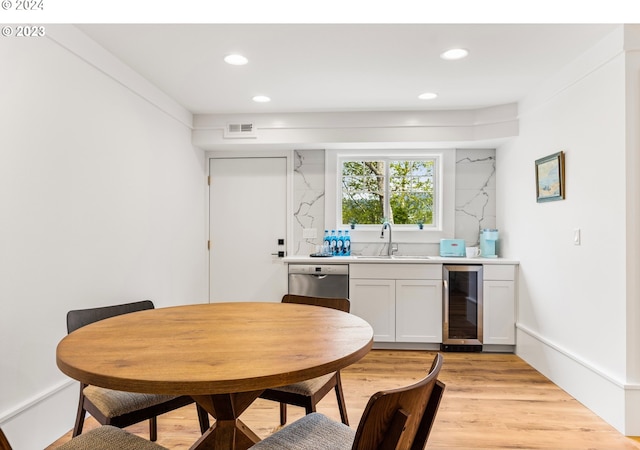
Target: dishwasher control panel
x: 320, y: 269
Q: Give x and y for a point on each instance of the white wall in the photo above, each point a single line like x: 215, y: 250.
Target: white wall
x: 572, y: 309
x: 102, y: 200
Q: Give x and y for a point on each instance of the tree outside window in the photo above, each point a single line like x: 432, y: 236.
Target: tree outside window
x: 400, y: 191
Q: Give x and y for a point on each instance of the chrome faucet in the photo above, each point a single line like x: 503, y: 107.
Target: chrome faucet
x: 390, y: 248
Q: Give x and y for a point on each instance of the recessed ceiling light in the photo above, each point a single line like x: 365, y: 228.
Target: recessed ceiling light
x: 454, y: 53
x: 261, y: 99
x: 427, y: 96
x: 236, y: 60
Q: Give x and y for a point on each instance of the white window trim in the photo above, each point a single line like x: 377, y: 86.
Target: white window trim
x: 445, y: 192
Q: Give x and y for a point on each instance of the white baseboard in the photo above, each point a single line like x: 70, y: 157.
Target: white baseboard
x: 614, y: 401
x: 42, y: 420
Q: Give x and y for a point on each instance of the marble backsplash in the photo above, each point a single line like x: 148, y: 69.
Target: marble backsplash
x: 475, y: 193
x: 308, y: 199
x: 474, y: 202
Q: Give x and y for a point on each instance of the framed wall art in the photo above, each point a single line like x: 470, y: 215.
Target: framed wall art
x: 550, y: 178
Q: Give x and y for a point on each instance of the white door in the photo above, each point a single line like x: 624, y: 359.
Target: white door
x: 247, y: 210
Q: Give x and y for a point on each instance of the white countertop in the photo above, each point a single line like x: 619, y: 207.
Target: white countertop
x: 397, y: 259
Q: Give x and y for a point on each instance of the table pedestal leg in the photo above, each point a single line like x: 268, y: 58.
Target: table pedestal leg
x: 228, y: 432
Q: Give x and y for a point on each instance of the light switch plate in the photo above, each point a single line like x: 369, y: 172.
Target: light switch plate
x: 576, y: 236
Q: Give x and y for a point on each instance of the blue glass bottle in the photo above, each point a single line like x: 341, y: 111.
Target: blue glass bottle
x: 326, y: 243
x: 333, y: 241
x: 339, y: 244
x: 346, y: 249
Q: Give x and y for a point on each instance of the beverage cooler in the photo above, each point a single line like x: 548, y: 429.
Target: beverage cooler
x: 462, y: 309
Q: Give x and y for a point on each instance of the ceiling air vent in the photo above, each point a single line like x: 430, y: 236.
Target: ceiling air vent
x: 240, y: 130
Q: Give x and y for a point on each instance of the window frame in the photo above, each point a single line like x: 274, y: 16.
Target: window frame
x: 388, y: 193
x: 444, y: 194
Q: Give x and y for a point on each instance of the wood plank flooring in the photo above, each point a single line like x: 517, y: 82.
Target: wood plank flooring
x: 492, y: 401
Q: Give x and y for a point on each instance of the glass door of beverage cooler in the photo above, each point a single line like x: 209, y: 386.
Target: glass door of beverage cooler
x: 462, y: 324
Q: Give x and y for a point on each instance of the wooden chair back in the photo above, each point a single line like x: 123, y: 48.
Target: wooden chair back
x: 4, y: 442
x: 341, y: 304
x: 398, y: 419
x: 429, y: 416
x: 80, y: 317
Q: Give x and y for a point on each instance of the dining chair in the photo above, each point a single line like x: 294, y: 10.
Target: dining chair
x: 119, y: 408
x: 4, y: 443
x: 105, y: 437
x: 308, y: 393
x: 398, y: 419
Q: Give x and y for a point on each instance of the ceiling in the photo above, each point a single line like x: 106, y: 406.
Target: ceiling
x: 342, y: 67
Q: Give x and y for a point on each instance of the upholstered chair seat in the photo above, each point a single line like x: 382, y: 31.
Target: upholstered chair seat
x: 307, y: 387
x: 117, y: 403
x: 108, y: 437
x: 312, y: 432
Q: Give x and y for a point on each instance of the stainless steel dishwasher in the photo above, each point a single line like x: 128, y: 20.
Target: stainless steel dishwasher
x: 324, y: 280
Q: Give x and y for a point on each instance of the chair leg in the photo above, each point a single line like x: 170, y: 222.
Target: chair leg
x: 283, y: 413
x: 310, y: 407
x: 340, y: 398
x: 77, y: 428
x: 203, y: 418
x: 153, y: 429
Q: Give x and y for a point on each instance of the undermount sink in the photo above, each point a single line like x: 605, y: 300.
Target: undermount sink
x: 393, y: 257
x: 410, y: 257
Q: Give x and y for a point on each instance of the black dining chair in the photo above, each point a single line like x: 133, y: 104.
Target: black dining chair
x: 102, y: 438
x: 308, y: 393
x: 399, y: 419
x: 119, y: 408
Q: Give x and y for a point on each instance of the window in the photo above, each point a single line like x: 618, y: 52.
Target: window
x: 400, y: 190
x: 421, y: 189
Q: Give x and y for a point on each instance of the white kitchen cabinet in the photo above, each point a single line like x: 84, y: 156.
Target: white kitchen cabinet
x: 374, y: 301
x: 499, y: 313
x: 402, y: 302
x: 419, y: 311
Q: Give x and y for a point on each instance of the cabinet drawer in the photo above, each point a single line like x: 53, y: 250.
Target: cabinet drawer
x: 498, y: 272
x: 396, y: 271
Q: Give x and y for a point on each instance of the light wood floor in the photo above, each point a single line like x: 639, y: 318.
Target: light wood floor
x: 492, y: 401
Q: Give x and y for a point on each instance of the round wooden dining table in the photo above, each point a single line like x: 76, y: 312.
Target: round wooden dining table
x: 224, y: 355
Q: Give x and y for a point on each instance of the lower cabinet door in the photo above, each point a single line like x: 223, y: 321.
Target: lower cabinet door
x: 419, y: 311
x: 499, y: 312
x: 374, y: 301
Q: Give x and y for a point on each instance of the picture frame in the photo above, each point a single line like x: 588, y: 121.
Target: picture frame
x: 550, y: 178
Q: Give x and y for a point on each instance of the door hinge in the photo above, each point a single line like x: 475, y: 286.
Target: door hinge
x: 208, y: 245
x: 209, y: 180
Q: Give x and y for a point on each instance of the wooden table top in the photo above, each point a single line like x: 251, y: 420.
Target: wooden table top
x: 214, y: 348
